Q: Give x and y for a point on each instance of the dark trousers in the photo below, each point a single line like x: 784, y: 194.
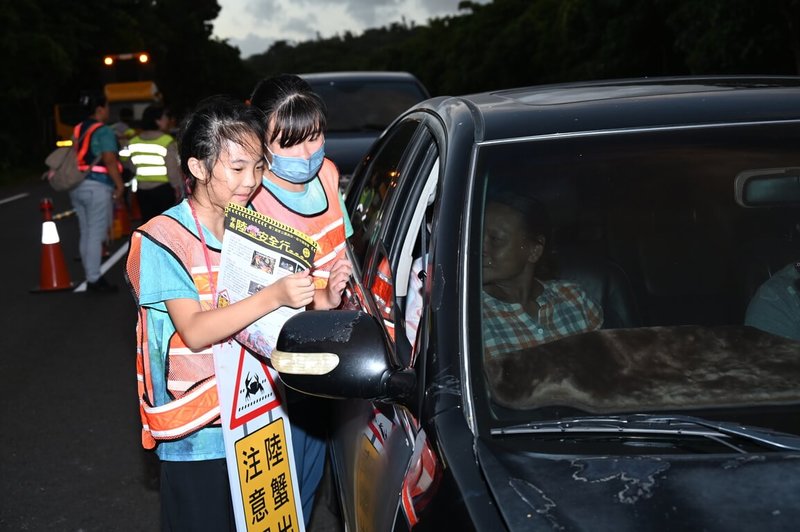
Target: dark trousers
x: 196, y: 496
x: 154, y: 201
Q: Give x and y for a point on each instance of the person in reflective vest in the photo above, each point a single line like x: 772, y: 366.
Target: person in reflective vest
x: 153, y: 155
x: 172, y: 269
x: 301, y: 189
x: 94, y: 197
x: 383, y: 292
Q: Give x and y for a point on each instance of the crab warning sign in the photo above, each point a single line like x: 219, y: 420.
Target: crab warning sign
x: 255, y: 390
x: 265, y: 480
x: 258, y: 442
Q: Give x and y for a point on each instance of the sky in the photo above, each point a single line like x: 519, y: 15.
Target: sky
x: 253, y: 25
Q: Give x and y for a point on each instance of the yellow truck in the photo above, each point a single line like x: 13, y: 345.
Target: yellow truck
x: 124, y: 89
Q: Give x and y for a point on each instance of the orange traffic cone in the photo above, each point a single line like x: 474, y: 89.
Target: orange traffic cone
x: 136, y: 213
x: 53, y: 273
x: 121, y: 225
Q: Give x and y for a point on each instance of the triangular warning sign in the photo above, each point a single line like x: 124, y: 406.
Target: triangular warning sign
x: 255, y: 392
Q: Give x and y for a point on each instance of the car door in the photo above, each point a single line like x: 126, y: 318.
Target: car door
x: 374, y: 442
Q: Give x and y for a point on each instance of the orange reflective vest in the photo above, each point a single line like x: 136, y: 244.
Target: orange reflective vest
x: 383, y: 293
x: 326, y: 228
x: 190, y: 375
x: 85, y: 143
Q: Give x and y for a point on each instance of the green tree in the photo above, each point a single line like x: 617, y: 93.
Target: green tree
x: 33, y: 64
x: 190, y: 63
x: 53, y: 50
x: 738, y: 36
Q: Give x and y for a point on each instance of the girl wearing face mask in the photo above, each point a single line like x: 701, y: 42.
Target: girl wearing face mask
x: 301, y: 189
x: 172, y: 269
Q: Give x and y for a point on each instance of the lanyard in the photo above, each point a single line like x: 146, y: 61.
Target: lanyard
x: 211, y: 281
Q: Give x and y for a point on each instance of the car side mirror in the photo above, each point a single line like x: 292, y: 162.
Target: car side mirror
x: 341, y: 354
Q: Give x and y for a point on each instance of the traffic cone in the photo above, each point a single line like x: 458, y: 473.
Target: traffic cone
x: 136, y: 213
x: 121, y: 225
x: 53, y: 273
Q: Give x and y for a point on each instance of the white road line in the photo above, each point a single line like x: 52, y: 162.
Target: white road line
x: 107, y: 264
x: 13, y: 198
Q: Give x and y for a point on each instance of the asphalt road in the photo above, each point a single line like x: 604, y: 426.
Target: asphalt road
x: 71, y: 458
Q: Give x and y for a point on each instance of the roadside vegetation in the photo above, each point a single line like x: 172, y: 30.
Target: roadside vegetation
x: 52, y: 53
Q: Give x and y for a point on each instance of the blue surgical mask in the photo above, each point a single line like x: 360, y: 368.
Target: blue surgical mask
x: 296, y: 169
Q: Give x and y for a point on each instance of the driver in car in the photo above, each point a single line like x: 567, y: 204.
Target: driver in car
x: 522, y: 305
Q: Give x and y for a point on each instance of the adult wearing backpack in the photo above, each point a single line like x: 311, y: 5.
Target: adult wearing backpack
x: 93, y: 199
x: 154, y: 155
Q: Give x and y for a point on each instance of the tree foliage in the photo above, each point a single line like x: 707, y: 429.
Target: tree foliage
x: 510, y: 43
x: 52, y: 49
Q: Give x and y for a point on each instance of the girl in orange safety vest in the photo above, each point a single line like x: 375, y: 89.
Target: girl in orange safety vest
x: 172, y: 268
x: 301, y: 189
x: 301, y: 186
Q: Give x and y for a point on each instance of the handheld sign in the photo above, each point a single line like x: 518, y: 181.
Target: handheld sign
x: 257, y: 251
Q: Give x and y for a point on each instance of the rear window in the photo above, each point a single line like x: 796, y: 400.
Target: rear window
x: 366, y: 105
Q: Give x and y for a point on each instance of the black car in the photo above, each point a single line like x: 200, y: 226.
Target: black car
x: 360, y: 106
x: 646, y: 379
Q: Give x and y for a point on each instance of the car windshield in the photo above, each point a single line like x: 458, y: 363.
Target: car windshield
x: 626, y: 273
x: 365, y: 105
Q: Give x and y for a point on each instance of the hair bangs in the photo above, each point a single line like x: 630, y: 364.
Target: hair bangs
x: 298, y: 119
x: 242, y: 133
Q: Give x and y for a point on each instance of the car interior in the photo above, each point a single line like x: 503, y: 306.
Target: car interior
x: 657, y: 236
x: 673, y: 243
x: 676, y: 262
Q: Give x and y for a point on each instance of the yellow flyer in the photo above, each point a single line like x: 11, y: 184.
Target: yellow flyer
x: 257, y: 251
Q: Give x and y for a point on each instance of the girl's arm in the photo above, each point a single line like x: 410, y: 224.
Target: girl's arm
x: 200, y: 328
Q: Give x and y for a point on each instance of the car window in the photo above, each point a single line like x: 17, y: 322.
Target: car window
x: 412, y: 276
x: 367, y: 204
x: 626, y: 272
x: 391, y: 215
x: 366, y: 105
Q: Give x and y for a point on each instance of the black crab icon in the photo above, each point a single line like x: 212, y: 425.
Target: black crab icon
x: 253, y: 386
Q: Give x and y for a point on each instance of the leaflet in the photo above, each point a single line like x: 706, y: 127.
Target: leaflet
x: 257, y: 251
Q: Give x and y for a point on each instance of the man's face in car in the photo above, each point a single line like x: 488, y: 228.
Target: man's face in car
x: 509, y: 252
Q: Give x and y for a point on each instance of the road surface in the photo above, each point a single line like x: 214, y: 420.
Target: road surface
x: 71, y: 456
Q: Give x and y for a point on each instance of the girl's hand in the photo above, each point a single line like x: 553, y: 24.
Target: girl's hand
x: 200, y: 328
x: 340, y: 274
x: 296, y: 290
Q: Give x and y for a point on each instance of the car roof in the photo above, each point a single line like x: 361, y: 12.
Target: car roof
x: 623, y: 104
x: 359, y: 75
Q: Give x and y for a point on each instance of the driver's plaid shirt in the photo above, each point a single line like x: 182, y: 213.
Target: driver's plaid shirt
x: 564, y: 309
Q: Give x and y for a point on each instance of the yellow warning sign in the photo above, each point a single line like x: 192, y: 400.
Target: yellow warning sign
x: 265, y: 479
x: 366, y: 497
